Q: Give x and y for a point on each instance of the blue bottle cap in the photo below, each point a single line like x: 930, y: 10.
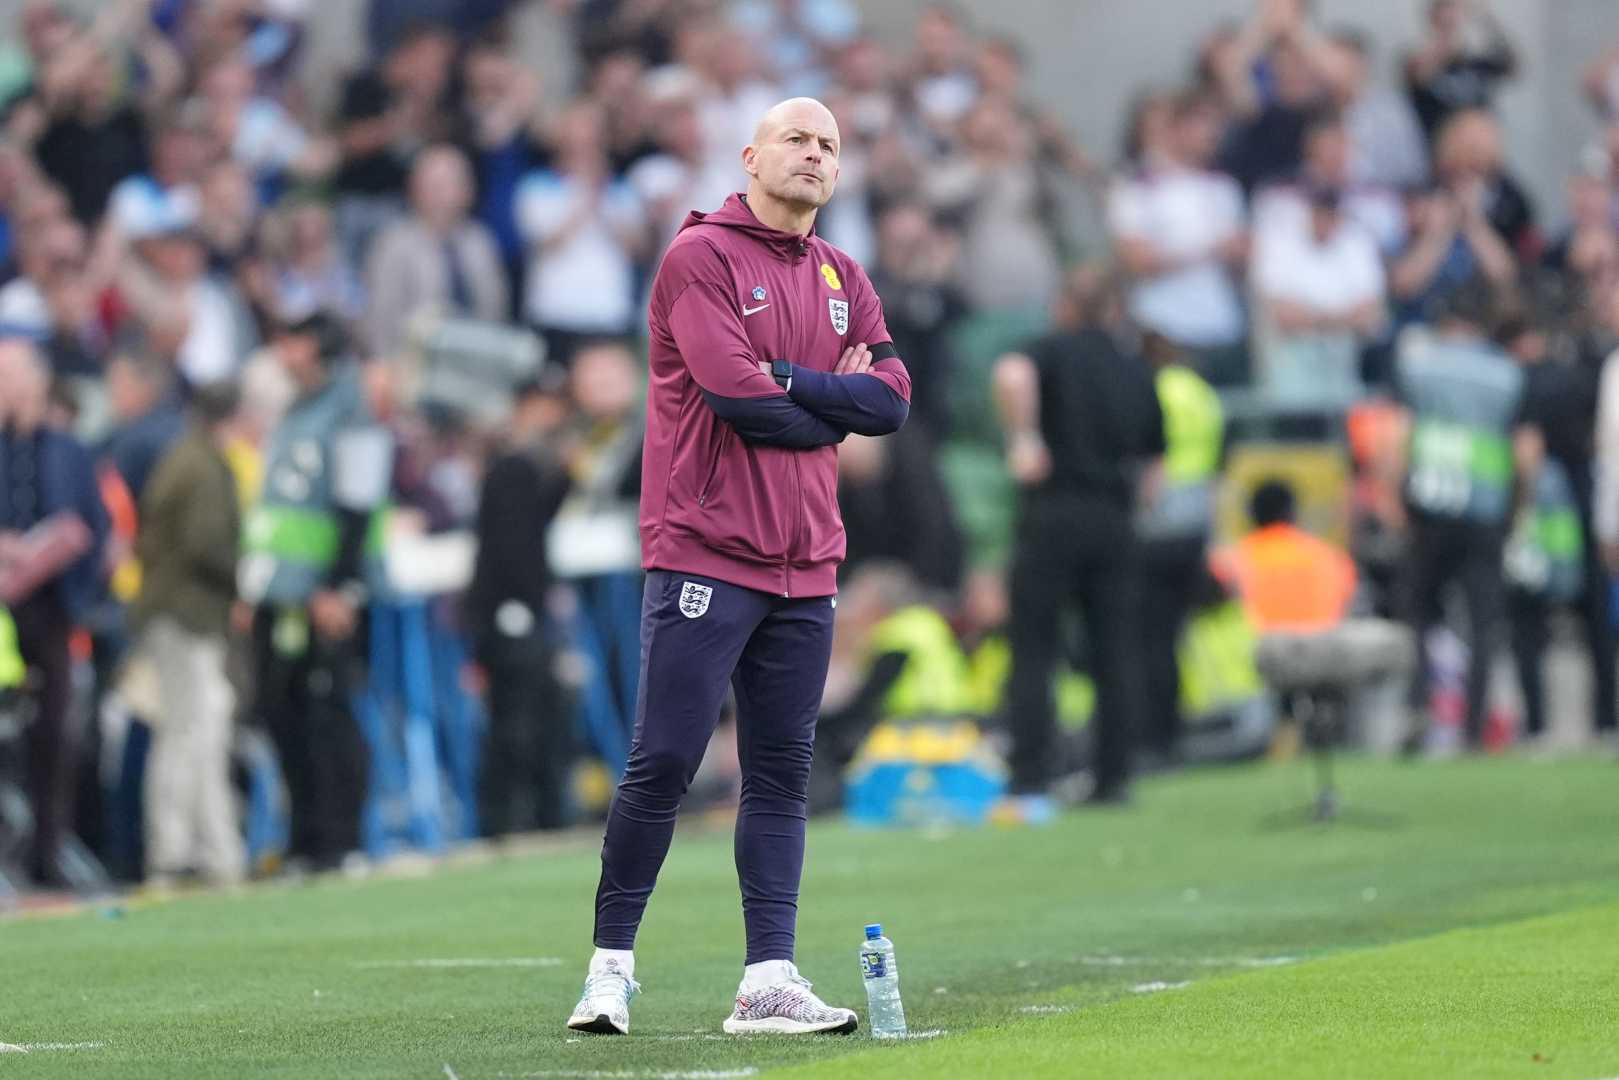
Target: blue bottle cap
x: 874, y: 931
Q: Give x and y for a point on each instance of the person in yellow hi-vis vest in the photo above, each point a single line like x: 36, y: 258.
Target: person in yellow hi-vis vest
x: 906, y: 662
x: 1174, y: 524
x: 12, y: 668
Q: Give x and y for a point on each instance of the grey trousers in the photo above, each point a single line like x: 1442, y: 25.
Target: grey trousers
x: 191, y: 821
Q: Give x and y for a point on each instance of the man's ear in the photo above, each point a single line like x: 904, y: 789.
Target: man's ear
x: 750, y: 160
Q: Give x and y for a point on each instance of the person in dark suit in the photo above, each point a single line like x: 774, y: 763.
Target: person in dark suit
x: 46, y: 474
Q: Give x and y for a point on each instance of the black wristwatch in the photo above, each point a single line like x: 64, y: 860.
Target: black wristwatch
x: 782, y: 372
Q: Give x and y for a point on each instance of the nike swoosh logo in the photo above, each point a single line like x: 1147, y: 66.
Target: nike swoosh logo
x: 754, y: 310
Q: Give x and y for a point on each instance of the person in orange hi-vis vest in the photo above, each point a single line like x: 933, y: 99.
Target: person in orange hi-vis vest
x: 1287, y: 579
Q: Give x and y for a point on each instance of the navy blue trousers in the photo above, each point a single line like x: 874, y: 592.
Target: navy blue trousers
x: 697, y: 635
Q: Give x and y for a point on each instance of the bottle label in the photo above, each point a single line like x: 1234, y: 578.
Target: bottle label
x: 872, y: 965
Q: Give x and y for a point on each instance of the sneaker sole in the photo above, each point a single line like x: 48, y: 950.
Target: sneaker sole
x: 780, y: 1025
x: 600, y: 1024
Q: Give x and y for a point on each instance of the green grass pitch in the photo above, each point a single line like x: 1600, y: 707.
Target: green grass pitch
x: 1471, y: 930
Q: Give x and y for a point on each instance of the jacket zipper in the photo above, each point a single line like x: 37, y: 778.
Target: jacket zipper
x: 798, y: 527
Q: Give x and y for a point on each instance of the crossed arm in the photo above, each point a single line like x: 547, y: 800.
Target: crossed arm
x: 867, y: 393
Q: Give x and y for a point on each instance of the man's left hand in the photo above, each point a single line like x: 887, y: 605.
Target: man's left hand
x: 856, y: 360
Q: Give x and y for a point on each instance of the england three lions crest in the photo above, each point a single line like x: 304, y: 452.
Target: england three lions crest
x: 840, y: 314
x: 694, y: 599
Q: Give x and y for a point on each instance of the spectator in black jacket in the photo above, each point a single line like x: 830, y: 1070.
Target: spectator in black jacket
x: 1447, y: 73
x: 914, y: 276
x: 527, y: 748
x: 46, y: 476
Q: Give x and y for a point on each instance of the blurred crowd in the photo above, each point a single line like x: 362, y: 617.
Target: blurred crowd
x: 385, y: 341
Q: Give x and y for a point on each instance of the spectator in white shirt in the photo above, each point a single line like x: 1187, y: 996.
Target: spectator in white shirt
x: 942, y: 82
x: 1605, y: 503
x: 197, y: 318
x: 585, y: 231
x: 731, y: 98
x: 148, y: 201
x: 1328, y: 164
x: 46, y: 252
x: 1179, y: 231
x: 1319, y: 289
x: 672, y: 182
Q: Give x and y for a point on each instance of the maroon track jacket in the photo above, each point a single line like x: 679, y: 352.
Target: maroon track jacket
x: 740, y: 478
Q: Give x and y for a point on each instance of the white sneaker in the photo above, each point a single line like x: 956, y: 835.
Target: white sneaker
x: 604, y: 1007
x: 788, y: 1008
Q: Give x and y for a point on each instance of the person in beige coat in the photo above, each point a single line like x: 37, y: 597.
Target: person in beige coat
x: 434, y: 260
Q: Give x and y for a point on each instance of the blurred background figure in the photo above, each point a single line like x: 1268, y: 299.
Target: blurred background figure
x: 1287, y: 579
x: 147, y: 416
x: 1318, y: 282
x: 326, y: 471
x: 52, y: 528
x: 437, y: 260
x: 1178, y: 231
x: 595, y: 542
x: 1175, y: 525
x: 585, y: 230
x: 1463, y: 55
x: 529, y: 745
x: 190, y: 534
x: 1470, y: 468
x: 1081, y: 419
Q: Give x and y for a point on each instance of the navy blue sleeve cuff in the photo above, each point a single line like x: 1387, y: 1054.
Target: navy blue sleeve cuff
x: 861, y: 403
x: 775, y: 420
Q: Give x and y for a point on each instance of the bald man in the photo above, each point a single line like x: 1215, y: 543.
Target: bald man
x: 767, y: 348
x: 46, y: 474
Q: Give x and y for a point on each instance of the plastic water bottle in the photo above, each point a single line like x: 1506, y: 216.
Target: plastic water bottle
x: 883, y: 1009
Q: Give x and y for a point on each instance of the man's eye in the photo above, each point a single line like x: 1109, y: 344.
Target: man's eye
x: 795, y: 138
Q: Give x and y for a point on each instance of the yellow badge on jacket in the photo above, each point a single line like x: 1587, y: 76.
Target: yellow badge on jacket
x: 831, y: 276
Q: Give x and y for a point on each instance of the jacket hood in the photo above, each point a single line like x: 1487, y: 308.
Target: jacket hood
x: 736, y: 214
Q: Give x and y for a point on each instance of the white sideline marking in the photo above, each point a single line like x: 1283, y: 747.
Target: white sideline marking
x: 1196, y: 961
x: 7, y: 1048
x: 29, y: 1048
x: 464, y: 962
x: 625, y: 1074
x: 449, y: 1073
x: 1042, y: 1010
x: 1155, y: 987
